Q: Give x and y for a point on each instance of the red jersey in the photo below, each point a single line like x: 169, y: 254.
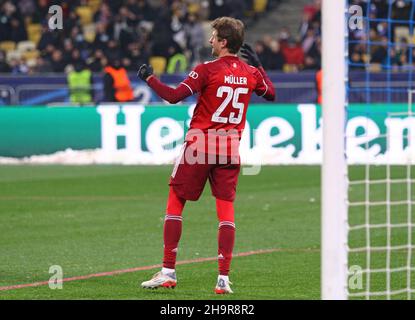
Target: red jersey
x: 225, y: 86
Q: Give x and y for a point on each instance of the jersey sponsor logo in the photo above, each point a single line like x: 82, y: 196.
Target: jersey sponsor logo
x: 193, y: 75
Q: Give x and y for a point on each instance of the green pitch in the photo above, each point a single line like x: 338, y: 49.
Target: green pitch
x: 96, y: 219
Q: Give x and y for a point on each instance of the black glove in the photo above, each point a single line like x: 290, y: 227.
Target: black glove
x: 250, y: 55
x: 144, y: 72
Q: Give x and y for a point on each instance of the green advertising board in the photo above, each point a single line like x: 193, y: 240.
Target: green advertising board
x: 284, y: 133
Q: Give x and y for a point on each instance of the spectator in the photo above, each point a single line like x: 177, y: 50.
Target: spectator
x: 48, y: 38
x: 80, y: 85
x: 98, y: 61
x: 293, y: 54
x: 57, y: 62
x: 380, y: 52
x: 76, y: 58
x: 137, y: 56
x: 305, y: 23
x: 18, y: 66
x: 70, y: 22
x: 312, y: 60
x: 4, y: 67
x: 319, y: 86
x: 283, y: 36
x: 276, y: 61
x: 101, y: 37
x: 357, y: 60
x: 195, y: 36
x: 117, y: 86
x: 112, y: 50
x: 145, y: 11
x: 401, y: 53
x: 154, y: 28
x: 78, y: 38
x: 103, y: 16
x: 27, y: 7
x: 42, y: 66
x: 308, y: 40
x: 177, y: 61
x: 218, y: 8
x: 18, y: 31
x: 8, y: 11
x: 68, y: 48
x: 263, y: 53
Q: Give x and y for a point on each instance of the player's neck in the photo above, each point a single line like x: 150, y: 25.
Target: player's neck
x: 226, y: 54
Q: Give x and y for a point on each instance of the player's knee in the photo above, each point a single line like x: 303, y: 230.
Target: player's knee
x: 175, y: 204
x: 225, y: 210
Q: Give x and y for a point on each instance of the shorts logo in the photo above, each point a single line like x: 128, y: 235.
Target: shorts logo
x: 193, y: 75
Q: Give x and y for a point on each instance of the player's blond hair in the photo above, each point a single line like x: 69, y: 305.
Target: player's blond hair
x: 232, y: 30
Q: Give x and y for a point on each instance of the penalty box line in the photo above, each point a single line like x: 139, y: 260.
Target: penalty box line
x: 182, y: 262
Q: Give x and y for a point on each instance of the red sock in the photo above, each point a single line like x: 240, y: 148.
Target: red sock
x: 226, y: 235
x: 172, y: 228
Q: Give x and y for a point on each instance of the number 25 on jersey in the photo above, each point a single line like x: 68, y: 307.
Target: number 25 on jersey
x: 233, y: 95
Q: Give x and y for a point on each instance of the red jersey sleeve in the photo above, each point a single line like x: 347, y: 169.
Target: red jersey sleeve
x: 197, y: 79
x: 264, y: 87
x: 167, y: 93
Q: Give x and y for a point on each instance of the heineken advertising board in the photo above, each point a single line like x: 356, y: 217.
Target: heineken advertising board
x: 274, y: 133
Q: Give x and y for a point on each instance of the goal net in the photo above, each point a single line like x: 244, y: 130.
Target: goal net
x: 368, y: 236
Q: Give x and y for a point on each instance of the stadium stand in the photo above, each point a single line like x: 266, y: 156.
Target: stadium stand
x: 154, y: 28
x: 140, y: 30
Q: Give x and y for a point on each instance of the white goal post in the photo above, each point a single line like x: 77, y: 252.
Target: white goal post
x: 334, y: 267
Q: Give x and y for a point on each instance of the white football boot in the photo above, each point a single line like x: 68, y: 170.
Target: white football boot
x: 161, y: 280
x: 222, y: 286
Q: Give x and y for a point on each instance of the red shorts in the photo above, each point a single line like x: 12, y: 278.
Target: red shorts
x: 188, y: 179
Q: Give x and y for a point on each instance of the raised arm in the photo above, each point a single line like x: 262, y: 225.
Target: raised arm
x: 265, y: 87
x: 172, y: 95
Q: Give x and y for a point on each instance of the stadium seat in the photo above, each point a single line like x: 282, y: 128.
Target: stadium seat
x: 89, y: 32
x: 158, y: 64
x: 260, y: 5
x: 14, y: 54
x: 289, y: 68
x: 375, y: 67
x: 7, y: 46
x: 177, y: 63
x: 34, y: 32
x: 24, y: 46
x: 94, y: 4
x: 193, y: 8
x: 31, y: 63
x: 207, y: 28
x: 85, y: 13
x: 402, y: 32
x: 30, y: 55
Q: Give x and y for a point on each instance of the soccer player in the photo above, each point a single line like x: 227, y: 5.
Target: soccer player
x: 224, y: 86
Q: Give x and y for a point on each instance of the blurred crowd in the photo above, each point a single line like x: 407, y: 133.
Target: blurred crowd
x: 97, y: 31
x: 383, y: 44
x: 294, y: 50
x: 178, y: 31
